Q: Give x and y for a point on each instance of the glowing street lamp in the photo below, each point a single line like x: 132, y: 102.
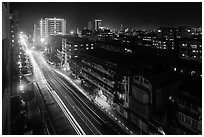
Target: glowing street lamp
x: 71, y: 32
x: 42, y: 40
x: 19, y: 62
x: 21, y: 87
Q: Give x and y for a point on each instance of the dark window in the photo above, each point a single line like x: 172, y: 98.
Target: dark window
x: 194, y: 107
x: 194, y: 124
x: 188, y: 104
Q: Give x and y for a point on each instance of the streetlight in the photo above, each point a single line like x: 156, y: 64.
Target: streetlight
x: 42, y: 40
x: 71, y: 32
x: 21, y: 87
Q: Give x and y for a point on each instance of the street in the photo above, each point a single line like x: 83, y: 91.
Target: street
x: 83, y: 117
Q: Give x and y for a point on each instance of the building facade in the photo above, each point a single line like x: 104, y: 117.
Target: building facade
x: 97, y: 24
x: 190, y: 49
x: 36, y: 33
x: 91, y: 25
x: 52, y: 26
x: 6, y: 64
x: 189, y: 108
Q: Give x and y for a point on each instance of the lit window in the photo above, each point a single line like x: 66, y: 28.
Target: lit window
x: 174, y: 69
x: 192, y: 72
x: 87, y: 48
x: 183, y: 55
x: 184, y: 45
x: 194, y: 124
x: 75, y: 49
x: 194, y: 46
x: 75, y: 45
x: 13, y: 40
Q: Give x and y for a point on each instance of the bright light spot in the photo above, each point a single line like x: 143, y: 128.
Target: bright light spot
x: 42, y: 39
x: 28, y: 51
x: 21, y: 87
x: 72, y: 32
x: 192, y: 72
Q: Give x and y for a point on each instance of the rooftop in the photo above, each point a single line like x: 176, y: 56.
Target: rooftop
x: 192, y: 90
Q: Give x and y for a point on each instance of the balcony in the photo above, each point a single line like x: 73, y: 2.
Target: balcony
x: 103, y: 79
x: 99, y: 68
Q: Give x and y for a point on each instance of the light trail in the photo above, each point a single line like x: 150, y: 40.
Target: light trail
x: 67, y: 113
x: 65, y: 86
x: 63, y: 107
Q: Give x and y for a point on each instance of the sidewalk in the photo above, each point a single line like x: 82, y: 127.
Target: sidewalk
x: 108, y: 109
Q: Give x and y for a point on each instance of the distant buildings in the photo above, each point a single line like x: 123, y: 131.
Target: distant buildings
x: 190, y: 49
x: 98, y: 24
x: 36, y: 35
x: 95, y: 25
x: 91, y: 25
x: 52, y: 26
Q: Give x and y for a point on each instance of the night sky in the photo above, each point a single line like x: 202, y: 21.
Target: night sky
x: 136, y: 15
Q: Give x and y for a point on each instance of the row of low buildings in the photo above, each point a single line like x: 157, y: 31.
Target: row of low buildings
x: 185, y: 42
x: 146, y: 89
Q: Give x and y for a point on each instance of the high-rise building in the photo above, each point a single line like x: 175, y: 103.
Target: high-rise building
x: 6, y: 65
x: 52, y: 26
x: 98, y: 24
x: 14, y: 27
x: 91, y: 25
x: 121, y: 28
x: 34, y: 32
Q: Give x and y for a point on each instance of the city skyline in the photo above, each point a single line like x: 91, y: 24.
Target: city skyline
x: 135, y: 15
x: 119, y: 68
